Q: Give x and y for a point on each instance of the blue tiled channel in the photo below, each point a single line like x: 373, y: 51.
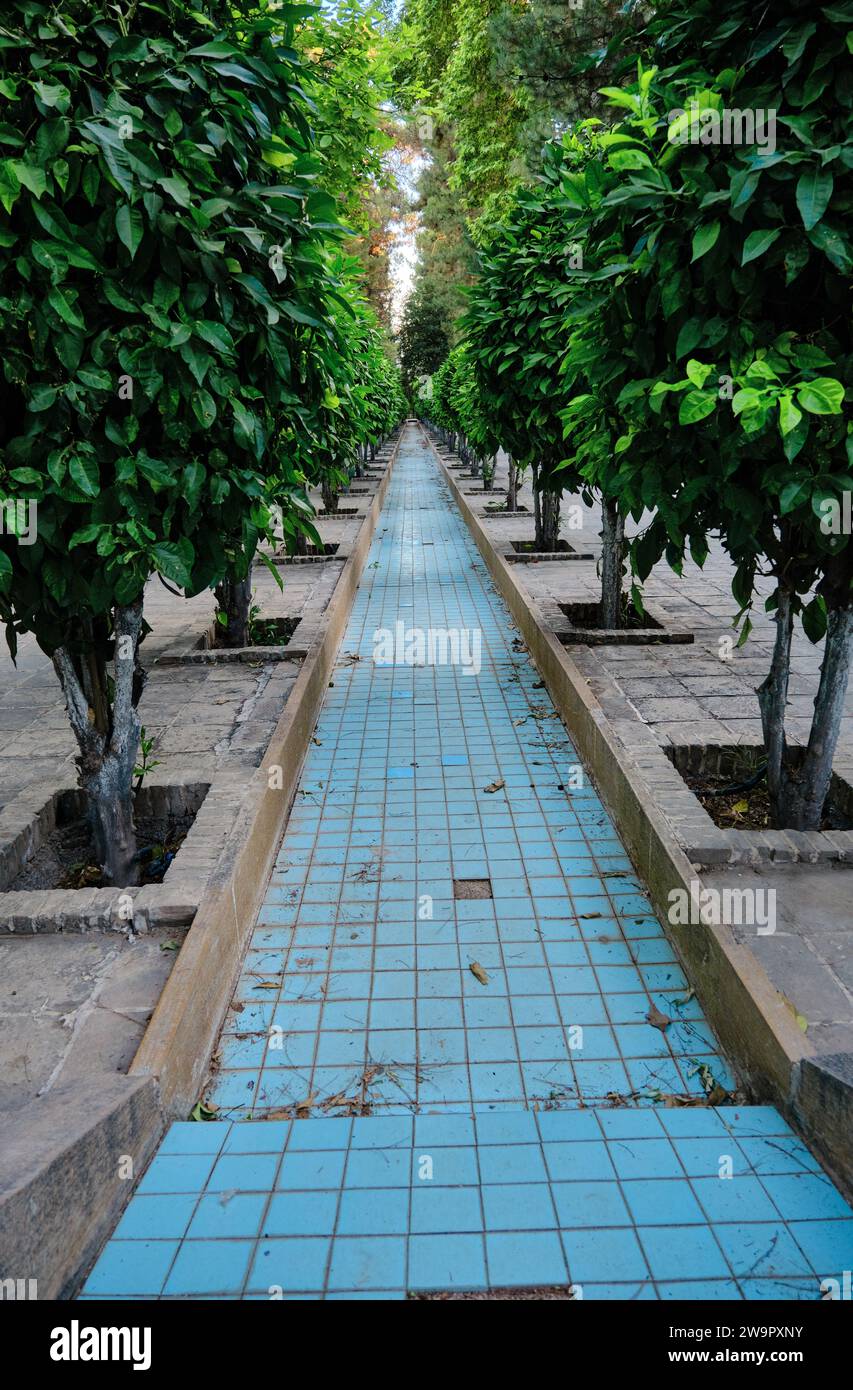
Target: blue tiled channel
x: 419, y: 1090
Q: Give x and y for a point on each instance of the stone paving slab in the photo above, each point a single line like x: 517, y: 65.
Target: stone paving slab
x: 504, y: 1039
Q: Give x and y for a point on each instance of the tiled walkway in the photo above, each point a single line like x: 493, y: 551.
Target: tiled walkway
x: 511, y: 1125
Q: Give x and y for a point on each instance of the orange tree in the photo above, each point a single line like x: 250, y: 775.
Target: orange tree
x: 161, y: 251
x: 726, y: 191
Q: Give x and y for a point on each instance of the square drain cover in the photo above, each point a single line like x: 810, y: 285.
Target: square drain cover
x: 472, y: 888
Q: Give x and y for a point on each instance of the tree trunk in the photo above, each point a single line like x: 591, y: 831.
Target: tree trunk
x: 613, y: 544
x: 537, y: 507
x: 372, y: 453
x: 107, y: 735
x: 360, y: 457
x: 550, y: 520
x: 512, y: 487
x: 488, y: 471
x: 330, y: 496
x: 809, y: 786
x: 234, y: 598
x: 772, y: 702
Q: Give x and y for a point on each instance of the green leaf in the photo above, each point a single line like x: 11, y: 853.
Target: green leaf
x: 84, y: 535
x: 300, y: 315
x: 695, y: 406
x: 30, y: 176
x: 823, y: 396
x: 814, y: 190
x: 129, y: 227
x: 83, y: 469
x: 689, y: 338
x: 65, y: 307
x: 757, y: 243
x: 789, y: 415
x: 41, y: 398
x: 704, y: 238
x: 814, y: 617
x: 698, y: 372
x: 174, y: 560
x: 204, y: 407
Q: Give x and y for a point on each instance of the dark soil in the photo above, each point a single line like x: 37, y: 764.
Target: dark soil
x: 748, y: 810
x: 531, y: 548
x: 472, y: 888
x: 587, y: 616
x: 263, y: 632
x: 272, y: 632
x: 562, y: 1291
x: 66, y: 858
x: 330, y: 548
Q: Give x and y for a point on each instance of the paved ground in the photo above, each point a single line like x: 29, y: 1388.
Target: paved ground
x: 418, y: 1090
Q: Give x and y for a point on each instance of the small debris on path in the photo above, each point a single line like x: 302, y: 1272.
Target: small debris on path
x: 657, y: 1019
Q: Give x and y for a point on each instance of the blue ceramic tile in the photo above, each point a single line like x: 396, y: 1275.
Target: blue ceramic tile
x: 370, y: 1262
x: 525, y: 1259
x: 446, y: 1262
x: 525, y: 1207
x: 437, y: 1209
x: 228, y: 1214
x: 210, y: 1267
x: 132, y: 1268
x: 682, y: 1252
x: 293, y: 1264
x: 374, y: 1212
x: 604, y: 1256
x: 156, y: 1218
x: 301, y: 1214
x: 185, y: 1137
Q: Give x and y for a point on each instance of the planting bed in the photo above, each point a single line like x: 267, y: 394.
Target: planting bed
x: 586, y: 629
x: 312, y: 557
x: 63, y: 856
x: 727, y: 780
x: 525, y: 552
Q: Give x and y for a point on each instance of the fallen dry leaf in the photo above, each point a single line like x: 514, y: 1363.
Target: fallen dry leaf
x: 478, y: 972
x: 495, y: 786
x: 657, y: 1019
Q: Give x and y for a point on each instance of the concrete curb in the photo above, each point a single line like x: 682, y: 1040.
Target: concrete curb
x: 65, y: 1177
x: 747, y: 1012
x: 181, y: 1035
